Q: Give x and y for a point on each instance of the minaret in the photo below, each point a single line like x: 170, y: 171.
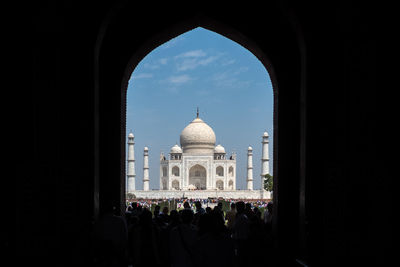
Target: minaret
x: 146, y: 169
x: 265, y: 157
x: 250, y: 168
x: 131, y: 163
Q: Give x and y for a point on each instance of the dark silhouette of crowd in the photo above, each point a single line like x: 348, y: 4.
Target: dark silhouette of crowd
x: 184, y: 238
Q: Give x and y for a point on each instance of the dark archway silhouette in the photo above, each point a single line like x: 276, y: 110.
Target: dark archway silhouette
x: 279, y: 49
x: 332, y: 132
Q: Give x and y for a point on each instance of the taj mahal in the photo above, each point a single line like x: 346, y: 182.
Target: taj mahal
x: 198, y: 168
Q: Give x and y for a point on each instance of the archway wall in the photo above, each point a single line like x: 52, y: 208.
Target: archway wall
x: 348, y: 112
x: 124, y: 42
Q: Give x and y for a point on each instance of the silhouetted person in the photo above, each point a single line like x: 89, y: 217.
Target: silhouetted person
x: 257, y: 236
x: 134, y: 210
x: 110, y: 235
x: 199, y: 211
x: 174, y: 219
x: 268, y: 214
x: 132, y: 224
x: 248, y: 211
x: 230, y: 217
x: 214, y: 247
x: 268, y: 224
x: 241, y: 232
x: 162, y: 223
x: 199, y: 208
x: 257, y: 213
x: 208, y: 209
x: 219, y: 210
x: 182, y: 239
x: 164, y: 215
x: 186, y: 205
x: 139, y: 209
x: 156, y: 211
x: 146, y: 242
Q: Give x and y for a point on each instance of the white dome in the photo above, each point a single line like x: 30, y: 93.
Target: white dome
x: 176, y: 149
x: 198, y: 137
x: 131, y: 135
x: 250, y: 148
x: 265, y: 134
x: 219, y: 149
x: 146, y: 148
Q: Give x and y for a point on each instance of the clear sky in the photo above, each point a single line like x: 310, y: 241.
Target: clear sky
x: 200, y: 68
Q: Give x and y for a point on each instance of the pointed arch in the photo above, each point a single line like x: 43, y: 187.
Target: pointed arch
x: 219, y: 171
x: 198, y: 177
x: 175, y: 171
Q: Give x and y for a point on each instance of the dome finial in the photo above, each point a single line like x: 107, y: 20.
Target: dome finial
x: 197, y: 112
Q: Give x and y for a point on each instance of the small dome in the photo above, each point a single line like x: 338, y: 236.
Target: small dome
x: 219, y: 149
x: 250, y: 148
x: 146, y: 148
x: 265, y: 134
x: 176, y: 149
x: 131, y: 135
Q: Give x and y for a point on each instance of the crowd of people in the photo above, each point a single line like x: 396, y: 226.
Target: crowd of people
x: 188, y: 237
x: 149, y: 203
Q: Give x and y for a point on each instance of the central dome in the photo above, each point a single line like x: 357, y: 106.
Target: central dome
x: 198, y: 138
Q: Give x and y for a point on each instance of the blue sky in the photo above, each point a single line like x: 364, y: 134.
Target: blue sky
x: 200, y: 68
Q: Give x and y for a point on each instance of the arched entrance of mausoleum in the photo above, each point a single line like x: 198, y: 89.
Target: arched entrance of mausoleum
x: 198, y: 177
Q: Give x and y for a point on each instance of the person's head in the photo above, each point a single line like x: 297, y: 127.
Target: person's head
x: 219, y: 205
x: 233, y: 206
x: 186, y: 205
x: 240, y: 206
x: 208, y: 209
x: 257, y: 212
x: 156, y: 210
x: 187, y: 216
x: 198, y: 204
x: 165, y: 210
x: 145, y: 217
x: 248, y: 206
x: 174, y: 215
x: 270, y: 206
x: 211, y: 223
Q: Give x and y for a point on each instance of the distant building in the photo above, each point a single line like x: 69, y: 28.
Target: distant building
x: 198, y: 168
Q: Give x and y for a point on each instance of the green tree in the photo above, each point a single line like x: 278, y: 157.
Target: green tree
x: 130, y: 196
x: 268, y: 182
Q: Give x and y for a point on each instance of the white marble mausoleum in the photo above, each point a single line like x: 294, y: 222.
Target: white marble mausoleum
x: 197, y: 168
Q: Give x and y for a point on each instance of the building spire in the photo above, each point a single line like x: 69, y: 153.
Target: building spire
x: 131, y: 176
x: 197, y: 112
